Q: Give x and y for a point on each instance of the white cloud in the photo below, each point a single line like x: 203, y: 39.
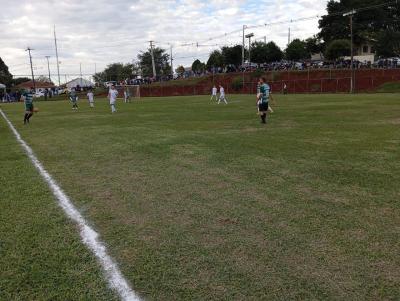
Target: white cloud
x: 101, y: 32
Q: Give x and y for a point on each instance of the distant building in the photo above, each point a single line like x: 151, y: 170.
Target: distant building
x: 81, y: 82
x: 317, y: 57
x: 365, y: 48
x: 40, y: 86
x: 364, y: 53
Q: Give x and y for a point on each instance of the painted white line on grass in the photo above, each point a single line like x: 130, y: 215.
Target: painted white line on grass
x: 89, y: 236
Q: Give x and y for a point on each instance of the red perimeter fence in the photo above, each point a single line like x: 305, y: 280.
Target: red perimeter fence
x: 314, y: 81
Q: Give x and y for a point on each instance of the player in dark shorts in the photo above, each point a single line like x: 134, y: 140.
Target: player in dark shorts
x: 263, y: 96
x: 27, y: 97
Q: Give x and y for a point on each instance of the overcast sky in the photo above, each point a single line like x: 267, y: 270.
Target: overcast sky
x: 98, y: 32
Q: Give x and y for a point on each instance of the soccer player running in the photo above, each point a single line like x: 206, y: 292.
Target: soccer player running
x: 27, y: 97
x: 74, y: 99
x: 222, y: 95
x: 214, y: 93
x: 90, y: 97
x: 112, y: 96
x: 263, y: 97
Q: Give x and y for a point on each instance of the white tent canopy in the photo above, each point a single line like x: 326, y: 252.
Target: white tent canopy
x: 79, y: 82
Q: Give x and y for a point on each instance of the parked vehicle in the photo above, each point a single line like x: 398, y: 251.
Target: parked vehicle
x: 110, y: 83
x: 38, y: 94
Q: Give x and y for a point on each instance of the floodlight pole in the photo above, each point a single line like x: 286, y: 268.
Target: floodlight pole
x: 352, y: 81
x: 249, y: 36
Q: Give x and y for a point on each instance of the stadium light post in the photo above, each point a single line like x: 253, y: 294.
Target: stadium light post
x: 351, y: 14
x: 249, y: 36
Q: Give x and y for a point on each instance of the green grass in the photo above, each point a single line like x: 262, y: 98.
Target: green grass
x: 41, y: 256
x: 392, y: 87
x: 198, y: 201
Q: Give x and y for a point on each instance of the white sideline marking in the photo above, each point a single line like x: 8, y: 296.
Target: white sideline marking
x: 89, y: 236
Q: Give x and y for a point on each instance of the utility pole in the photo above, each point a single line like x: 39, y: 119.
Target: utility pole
x: 58, y: 63
x: 244, y: 27
x: 172, y: 68
x: 288, y: 37
x: 352, y: 82
x: 152, y: 60
x: 80, y: 72
x: 265, y: 39
x: 30, y: 59
x: 48, y: 66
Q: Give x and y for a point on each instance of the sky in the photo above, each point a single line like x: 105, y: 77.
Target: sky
x: 94, y: 33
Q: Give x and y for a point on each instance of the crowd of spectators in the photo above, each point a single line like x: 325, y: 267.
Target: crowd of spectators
x: 12, y: 96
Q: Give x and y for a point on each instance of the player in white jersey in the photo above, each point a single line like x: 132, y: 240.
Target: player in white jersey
x: 90, y: 97
x: 112, y: 96
x: 222, y: 95
x: 214, y: 93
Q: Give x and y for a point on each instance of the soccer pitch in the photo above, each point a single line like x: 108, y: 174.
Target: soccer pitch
x: 199, y: 201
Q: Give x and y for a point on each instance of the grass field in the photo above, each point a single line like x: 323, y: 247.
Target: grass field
x: 198, y: 201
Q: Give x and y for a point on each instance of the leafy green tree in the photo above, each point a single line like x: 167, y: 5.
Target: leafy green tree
x: 337, y: 49
x: 115, y: 72
x: 314, y: 45
x: 180, y: 70
x: 5, y: 75
x: 366, y: 23
x: 296, y: 50
x: 161, y: 61
x: 232, y: 55
x: 274, y: 53
x: 388, y: 43
x: 198, y: 67
x: 215, y: 60
x: 265, y: 53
